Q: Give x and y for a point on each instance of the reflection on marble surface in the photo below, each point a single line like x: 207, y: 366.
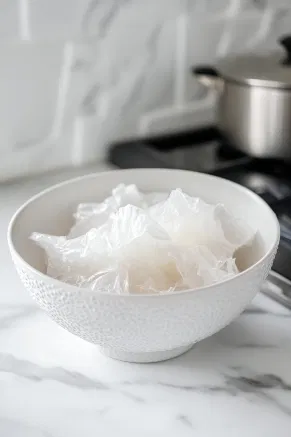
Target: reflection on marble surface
x: 235, y: 383
x: 52, y: 384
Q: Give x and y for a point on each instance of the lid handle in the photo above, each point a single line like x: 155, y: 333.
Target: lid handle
x: 204, y: 70
x: 208, y: 77
x: 285, y: 41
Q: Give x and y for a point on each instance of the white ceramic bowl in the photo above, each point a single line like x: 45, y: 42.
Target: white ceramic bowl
x: 141, y: 328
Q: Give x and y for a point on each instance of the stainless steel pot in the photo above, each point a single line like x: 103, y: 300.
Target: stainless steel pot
x: 254, y: 101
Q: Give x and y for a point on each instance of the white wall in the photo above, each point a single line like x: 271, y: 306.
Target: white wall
x: 74, y: 74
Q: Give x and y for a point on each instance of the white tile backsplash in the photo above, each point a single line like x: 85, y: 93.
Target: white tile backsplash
x: 29, y: 77
x: 210, y: 7
x: 57, y: 19
x: 204, y: 42
x: 76, y: 74
x: 9, y: 26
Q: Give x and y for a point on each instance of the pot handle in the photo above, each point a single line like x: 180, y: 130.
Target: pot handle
x: 285, y: 41
x: 208, y: 76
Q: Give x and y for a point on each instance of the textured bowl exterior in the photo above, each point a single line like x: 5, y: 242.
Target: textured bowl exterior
x: 140, y: 328
x: 138, y: 324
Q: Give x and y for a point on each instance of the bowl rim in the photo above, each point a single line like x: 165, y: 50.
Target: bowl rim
x: 60, y: 284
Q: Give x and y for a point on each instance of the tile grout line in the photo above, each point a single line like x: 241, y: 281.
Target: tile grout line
x: 266, y: 23
x: 24, y: 21
x: 78, y: 136
x: 63, y: 88
x: 180, y: 56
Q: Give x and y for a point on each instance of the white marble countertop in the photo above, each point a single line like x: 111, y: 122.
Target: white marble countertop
x: 52, y: 384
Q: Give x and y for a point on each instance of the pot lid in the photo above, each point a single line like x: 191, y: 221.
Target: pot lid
x: 272, y: 70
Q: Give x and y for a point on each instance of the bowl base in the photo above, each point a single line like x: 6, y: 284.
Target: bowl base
x: 144, y: 357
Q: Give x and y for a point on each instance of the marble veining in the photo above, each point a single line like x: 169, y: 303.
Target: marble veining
x: 243, y: 389
x: 52, y: 384
x: 100, y: 70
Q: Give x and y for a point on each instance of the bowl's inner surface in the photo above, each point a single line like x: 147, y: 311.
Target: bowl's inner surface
x: 51, y: 212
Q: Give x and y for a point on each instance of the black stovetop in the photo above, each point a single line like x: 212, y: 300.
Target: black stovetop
x: 206, y: 151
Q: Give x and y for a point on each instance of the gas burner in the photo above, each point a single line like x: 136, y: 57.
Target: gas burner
x: 227, y: 153
x: 205, y: 150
